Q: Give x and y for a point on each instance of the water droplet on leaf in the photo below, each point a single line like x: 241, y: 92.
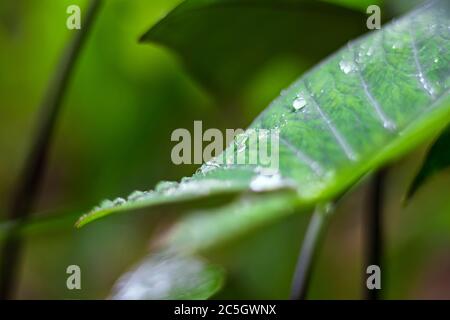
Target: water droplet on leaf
x: 105, y: 204
x: 347, y: 66
x: 165, y: 185
x: 299, y: 103
x: 119, y: 202
x: 136, y: 195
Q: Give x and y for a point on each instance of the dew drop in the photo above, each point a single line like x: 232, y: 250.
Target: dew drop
x: 119, y: 202
x: 267, y: 178
x: 185, y: 180
x: 266, y: 182
x: 136, y: 195
x: 347, y: 66
x: 299, y: 103
x: 214, y: 162
x: 436, y: 60
x: 105, y: 204
x: 389, y: 125
x: 205, y: 169
x: 165, y: 185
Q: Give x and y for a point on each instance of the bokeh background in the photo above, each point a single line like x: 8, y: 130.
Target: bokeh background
x: 113, y: 136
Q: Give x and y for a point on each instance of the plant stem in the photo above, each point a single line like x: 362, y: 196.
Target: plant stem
x: 375, y: 229
x: 28, y: 184
x: 308, y: 253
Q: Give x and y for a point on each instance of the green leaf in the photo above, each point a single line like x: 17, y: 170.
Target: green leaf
x: 204, y: 229
x: 166, y: 276
x: 41, y: 223
x: 224, y: 43
x: 366, y: 105
x: 437, y: 159
x: 356, y: 4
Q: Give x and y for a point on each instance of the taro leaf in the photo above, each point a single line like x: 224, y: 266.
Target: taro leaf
x: 367, y: 104
x: 223, y: 43
x: 167, y: 276
x: 203, y: 230
x: 437, y: 159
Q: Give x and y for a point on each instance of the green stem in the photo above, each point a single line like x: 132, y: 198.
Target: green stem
x: 375, y: 229
x: 308, y: 253
x: 28, y: 184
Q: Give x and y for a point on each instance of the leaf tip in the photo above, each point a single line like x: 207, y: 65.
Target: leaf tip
x: 142, y: 38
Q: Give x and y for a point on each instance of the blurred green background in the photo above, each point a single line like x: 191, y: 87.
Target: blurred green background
x: 113, y: 136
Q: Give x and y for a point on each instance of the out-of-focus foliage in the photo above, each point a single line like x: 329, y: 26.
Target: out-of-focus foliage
x: 355, y: 106
x: 114, y: 136
x: 225, y: 43
x: 437, y: 159
x: 168, y: 276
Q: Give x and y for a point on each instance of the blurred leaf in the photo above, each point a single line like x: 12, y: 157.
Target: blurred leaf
x: 397, y: 7
x: 41, y: 224
x: 166, y: 276
x: 356, y: 4
x: 205, y: 229
x: 366, y: 105
x: 223, y: 43
x: 437, y: 159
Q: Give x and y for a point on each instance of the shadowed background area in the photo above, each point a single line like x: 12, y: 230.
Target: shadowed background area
x: 113, y: 136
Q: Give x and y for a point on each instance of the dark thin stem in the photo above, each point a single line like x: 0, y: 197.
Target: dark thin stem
x: 375, y: 230
x: 27, y: 187
x: 308, y: 254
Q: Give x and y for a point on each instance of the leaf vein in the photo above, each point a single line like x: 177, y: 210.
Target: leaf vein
x: 420, y: 74
x: 385, y: 120
x: 312, y: 164
x: 342, y: 142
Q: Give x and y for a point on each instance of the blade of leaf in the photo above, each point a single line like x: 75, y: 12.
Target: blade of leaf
x: 368, y: 104
x: 204, y: 229
x: 437, y: 159
x: 166, y: 276
x: 223, y: 43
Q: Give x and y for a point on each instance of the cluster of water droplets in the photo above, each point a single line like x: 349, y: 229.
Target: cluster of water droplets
x: 355, y: 56
x: 244, y: 149
x: 348, y: 66
x: 191, y: 186
x: 187, y: 185
x: 364, y: 52
x: 267, y: 179
x: 139, y: 195
x: 134, y: 196
x: 207, y: 167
